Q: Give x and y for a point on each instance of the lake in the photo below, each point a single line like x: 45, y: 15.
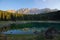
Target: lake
x: 29, y: 28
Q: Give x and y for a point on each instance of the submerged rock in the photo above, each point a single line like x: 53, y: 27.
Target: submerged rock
x: 50, y: 33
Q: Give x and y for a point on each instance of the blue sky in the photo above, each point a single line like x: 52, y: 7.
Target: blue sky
x: 17, y: 4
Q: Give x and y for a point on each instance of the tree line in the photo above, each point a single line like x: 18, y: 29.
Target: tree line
x: 6, y: 16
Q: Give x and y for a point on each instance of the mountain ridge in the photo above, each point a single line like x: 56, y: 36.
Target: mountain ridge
x: 32, y: 10
x: 55, y: 15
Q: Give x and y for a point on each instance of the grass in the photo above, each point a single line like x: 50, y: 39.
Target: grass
x: 28, y: 37
x: 20, y: 37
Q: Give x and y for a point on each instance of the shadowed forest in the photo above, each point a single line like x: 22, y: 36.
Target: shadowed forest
x: 51, y: 31
x: 6, y: 16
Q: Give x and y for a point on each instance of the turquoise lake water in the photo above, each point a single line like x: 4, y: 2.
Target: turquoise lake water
x: 34, y: 25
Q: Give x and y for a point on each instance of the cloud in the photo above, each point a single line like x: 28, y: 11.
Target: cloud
x: 44, y: 0
x: 48, y: 3
x: 41, y: 3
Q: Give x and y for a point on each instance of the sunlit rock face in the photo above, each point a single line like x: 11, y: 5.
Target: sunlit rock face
x: 23, y: 11
x: 11, y: 11
x: 35, y: 10
x: 32, y: 10
x: 28, y: 11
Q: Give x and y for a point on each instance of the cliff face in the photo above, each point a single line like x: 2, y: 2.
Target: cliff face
x: 32, y: 10
x: 35, y: 10
x: 11, y: 11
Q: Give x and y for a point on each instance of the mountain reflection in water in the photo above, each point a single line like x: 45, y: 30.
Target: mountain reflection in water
x: 18, y: 32
x: 24, y: 31
x: 35, y: 27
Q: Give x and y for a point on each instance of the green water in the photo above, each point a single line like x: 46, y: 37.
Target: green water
x: 35, y: 24
x: 16, y: 28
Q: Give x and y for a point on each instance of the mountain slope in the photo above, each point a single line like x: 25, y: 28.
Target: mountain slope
x: 55, y: 15
x: 35, y: 10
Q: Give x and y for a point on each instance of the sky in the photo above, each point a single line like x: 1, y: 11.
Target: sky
x: 18, y: 4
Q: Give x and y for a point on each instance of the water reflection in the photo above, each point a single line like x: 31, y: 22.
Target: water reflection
x: 30, y: 28
x: 18, y: 32
x: 24, y: 31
